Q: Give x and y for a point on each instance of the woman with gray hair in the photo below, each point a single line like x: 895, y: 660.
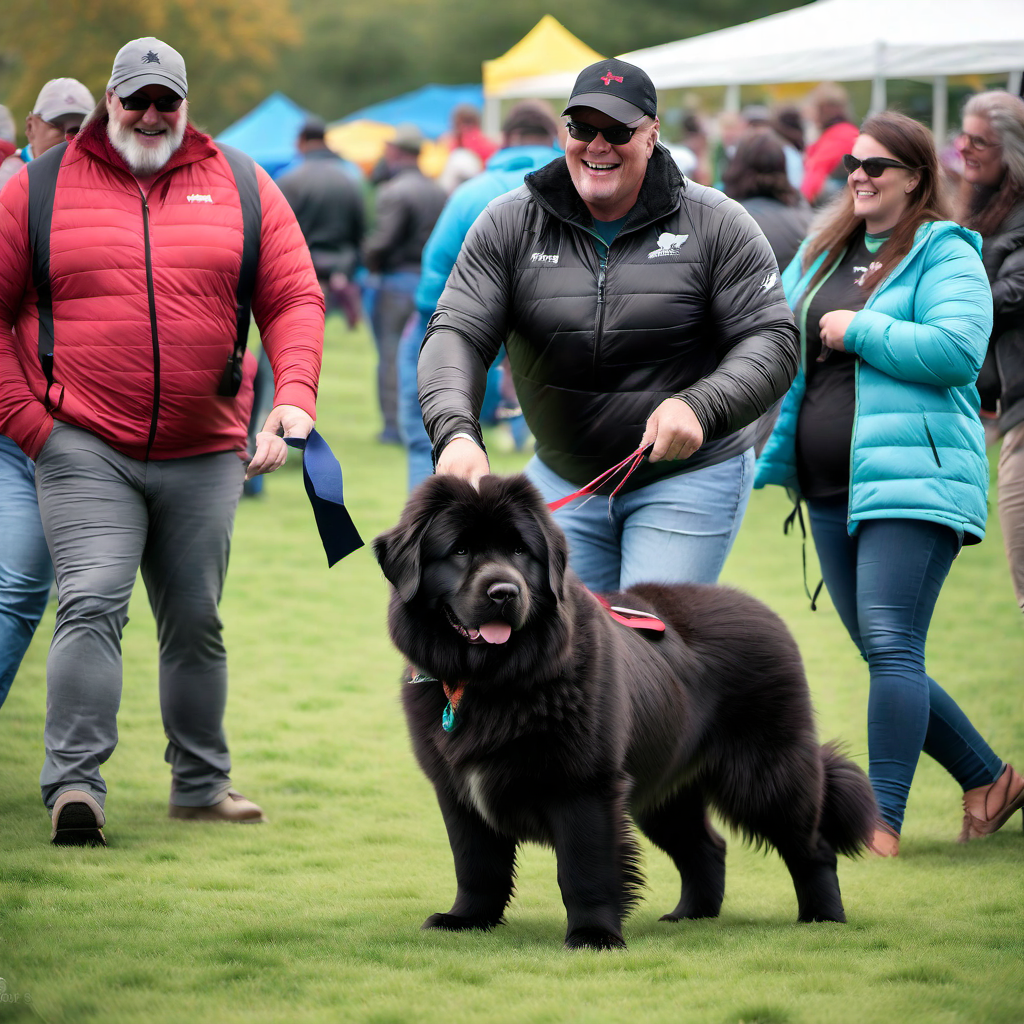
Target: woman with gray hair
x: 992, y: 203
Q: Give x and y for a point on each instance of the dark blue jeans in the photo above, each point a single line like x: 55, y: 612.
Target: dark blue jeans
x: 884, y: 582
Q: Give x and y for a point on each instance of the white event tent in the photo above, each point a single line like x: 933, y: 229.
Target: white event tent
x: 837, y: 40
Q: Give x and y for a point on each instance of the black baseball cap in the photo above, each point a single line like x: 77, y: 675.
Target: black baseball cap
x: 618, y: 89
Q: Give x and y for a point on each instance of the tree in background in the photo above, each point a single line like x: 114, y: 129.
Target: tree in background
x: 330, y: 56
x: 361, y: 51
x: 230, y: 48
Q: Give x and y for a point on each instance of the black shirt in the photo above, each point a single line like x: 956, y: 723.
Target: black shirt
x: 825, y: 425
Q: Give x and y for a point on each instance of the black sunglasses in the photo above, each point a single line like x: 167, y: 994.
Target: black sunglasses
x: 70, y: 129
x: 617, y: 136
x: 874, y: 166
x: 165, y: 104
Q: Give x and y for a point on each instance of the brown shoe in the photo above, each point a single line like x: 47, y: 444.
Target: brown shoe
x: 886, y: 840
x: 78, y: 820
x: 988, y: 808
x: 233, y: 808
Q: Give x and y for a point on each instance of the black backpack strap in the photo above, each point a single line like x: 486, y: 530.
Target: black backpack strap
x: 244, y: 169
x: 42, y: 186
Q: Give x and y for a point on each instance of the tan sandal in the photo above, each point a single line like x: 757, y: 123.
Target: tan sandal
x: 988, y: 808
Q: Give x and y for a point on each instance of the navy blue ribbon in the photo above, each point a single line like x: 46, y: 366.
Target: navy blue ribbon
x: 321, y: 473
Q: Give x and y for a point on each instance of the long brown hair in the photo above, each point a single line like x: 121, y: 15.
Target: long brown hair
x: 982, y: 209
x: 911, y: 143
x: 758, y: 168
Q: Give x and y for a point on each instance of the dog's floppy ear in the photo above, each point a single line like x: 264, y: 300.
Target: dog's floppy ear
x: 398, y: 549
x: 398, y: 552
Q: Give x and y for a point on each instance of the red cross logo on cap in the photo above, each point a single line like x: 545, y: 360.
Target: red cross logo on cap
x: 608, y: 78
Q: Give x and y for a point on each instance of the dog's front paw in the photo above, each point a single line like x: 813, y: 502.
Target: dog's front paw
x: 593, y: 938
x: 454, y: 923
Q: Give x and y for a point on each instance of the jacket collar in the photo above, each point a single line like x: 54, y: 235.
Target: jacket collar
x: 94, y: 141
x: 553, y: 188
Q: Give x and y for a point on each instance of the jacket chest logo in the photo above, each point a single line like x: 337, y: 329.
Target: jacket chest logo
x: 668, y: 245
x: 197, y: 197
x: 543, y: 257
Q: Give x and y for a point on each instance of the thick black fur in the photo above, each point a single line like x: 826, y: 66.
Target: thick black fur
x: 577, y: 723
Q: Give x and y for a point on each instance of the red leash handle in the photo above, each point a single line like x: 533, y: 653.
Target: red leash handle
x: 631, y: 461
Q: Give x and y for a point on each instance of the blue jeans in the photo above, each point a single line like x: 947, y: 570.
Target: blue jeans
x: 25, y: 571
x: 884, y: 582
x: 676, y: 530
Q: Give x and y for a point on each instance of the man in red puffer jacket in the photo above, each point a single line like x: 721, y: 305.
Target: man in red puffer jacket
x: 140, y: 445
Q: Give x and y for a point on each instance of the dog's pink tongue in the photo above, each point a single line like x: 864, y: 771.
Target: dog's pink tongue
x: 496, y: 632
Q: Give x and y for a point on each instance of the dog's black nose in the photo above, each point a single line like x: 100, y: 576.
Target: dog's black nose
x: 502, y: 591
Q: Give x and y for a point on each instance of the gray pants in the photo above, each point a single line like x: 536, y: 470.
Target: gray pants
x: 391, y: 311
x: 105, y: 516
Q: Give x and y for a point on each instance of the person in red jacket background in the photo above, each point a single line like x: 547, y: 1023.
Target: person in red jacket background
x: 824, y: 174
x: 139, y: 458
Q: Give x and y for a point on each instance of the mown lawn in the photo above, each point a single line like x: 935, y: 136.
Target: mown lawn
x: 315, y: 916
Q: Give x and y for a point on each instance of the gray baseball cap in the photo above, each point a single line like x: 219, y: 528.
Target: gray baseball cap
x: 147, y: 61
x: 63, y: 96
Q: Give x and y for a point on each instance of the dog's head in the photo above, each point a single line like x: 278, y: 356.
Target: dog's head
x: 474, y: 565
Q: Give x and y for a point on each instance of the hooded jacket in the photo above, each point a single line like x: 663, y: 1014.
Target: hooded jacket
x: 918, y: 448
x: 686, y: 302
x: 144, y: 297
x: 505, y: 171
x: 1003, y: 256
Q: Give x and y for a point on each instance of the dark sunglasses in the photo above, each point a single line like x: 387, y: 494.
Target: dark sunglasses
x: 66, y: 129
x: 874, y: 166
x: 165, y: 104
x: 617, y: 136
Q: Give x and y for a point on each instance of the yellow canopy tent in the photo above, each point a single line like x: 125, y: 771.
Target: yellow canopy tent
x: 362, y: 142
x: 547, y: 48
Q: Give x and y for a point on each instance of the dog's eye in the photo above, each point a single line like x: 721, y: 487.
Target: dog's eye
x: 461, y: 551
x: 520, y: 550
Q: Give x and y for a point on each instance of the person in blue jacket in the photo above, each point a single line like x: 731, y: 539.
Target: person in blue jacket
x: 529, y: 133
x: 880, y: 435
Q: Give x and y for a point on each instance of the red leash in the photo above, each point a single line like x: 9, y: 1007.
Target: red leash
x: 631, y: 461
x: 631, y: 617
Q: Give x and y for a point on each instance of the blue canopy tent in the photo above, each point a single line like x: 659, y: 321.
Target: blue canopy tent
x: 429, y: 108
x: 268, y: 132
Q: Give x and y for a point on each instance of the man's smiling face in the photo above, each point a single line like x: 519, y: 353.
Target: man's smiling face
x: 607, y: 177
x: 146, y: 138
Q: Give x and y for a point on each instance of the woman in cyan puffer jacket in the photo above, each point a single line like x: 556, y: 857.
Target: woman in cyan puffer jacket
x: 880, y: 435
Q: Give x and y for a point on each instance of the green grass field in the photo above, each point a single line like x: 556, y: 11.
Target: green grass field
x: 315, y: 916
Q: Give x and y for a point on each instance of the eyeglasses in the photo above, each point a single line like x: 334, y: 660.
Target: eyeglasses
x: 617, y: 136
x: 140, y: 101
x: 874, y: 166
x: 70, y: 129
x: 976, y: 142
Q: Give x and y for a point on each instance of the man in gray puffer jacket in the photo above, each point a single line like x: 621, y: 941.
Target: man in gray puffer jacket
x: 638, y: 308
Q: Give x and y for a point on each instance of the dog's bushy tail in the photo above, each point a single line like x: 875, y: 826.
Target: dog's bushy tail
x: 849, y: 811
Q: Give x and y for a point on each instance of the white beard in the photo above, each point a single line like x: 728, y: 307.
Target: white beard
x: 147, y: 159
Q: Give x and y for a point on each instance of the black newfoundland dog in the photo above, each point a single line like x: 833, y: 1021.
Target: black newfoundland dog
x: 537, y: 716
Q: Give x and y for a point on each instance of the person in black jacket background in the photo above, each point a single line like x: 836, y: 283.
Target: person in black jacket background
x: 992, y: 147
x: 637, y: 309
